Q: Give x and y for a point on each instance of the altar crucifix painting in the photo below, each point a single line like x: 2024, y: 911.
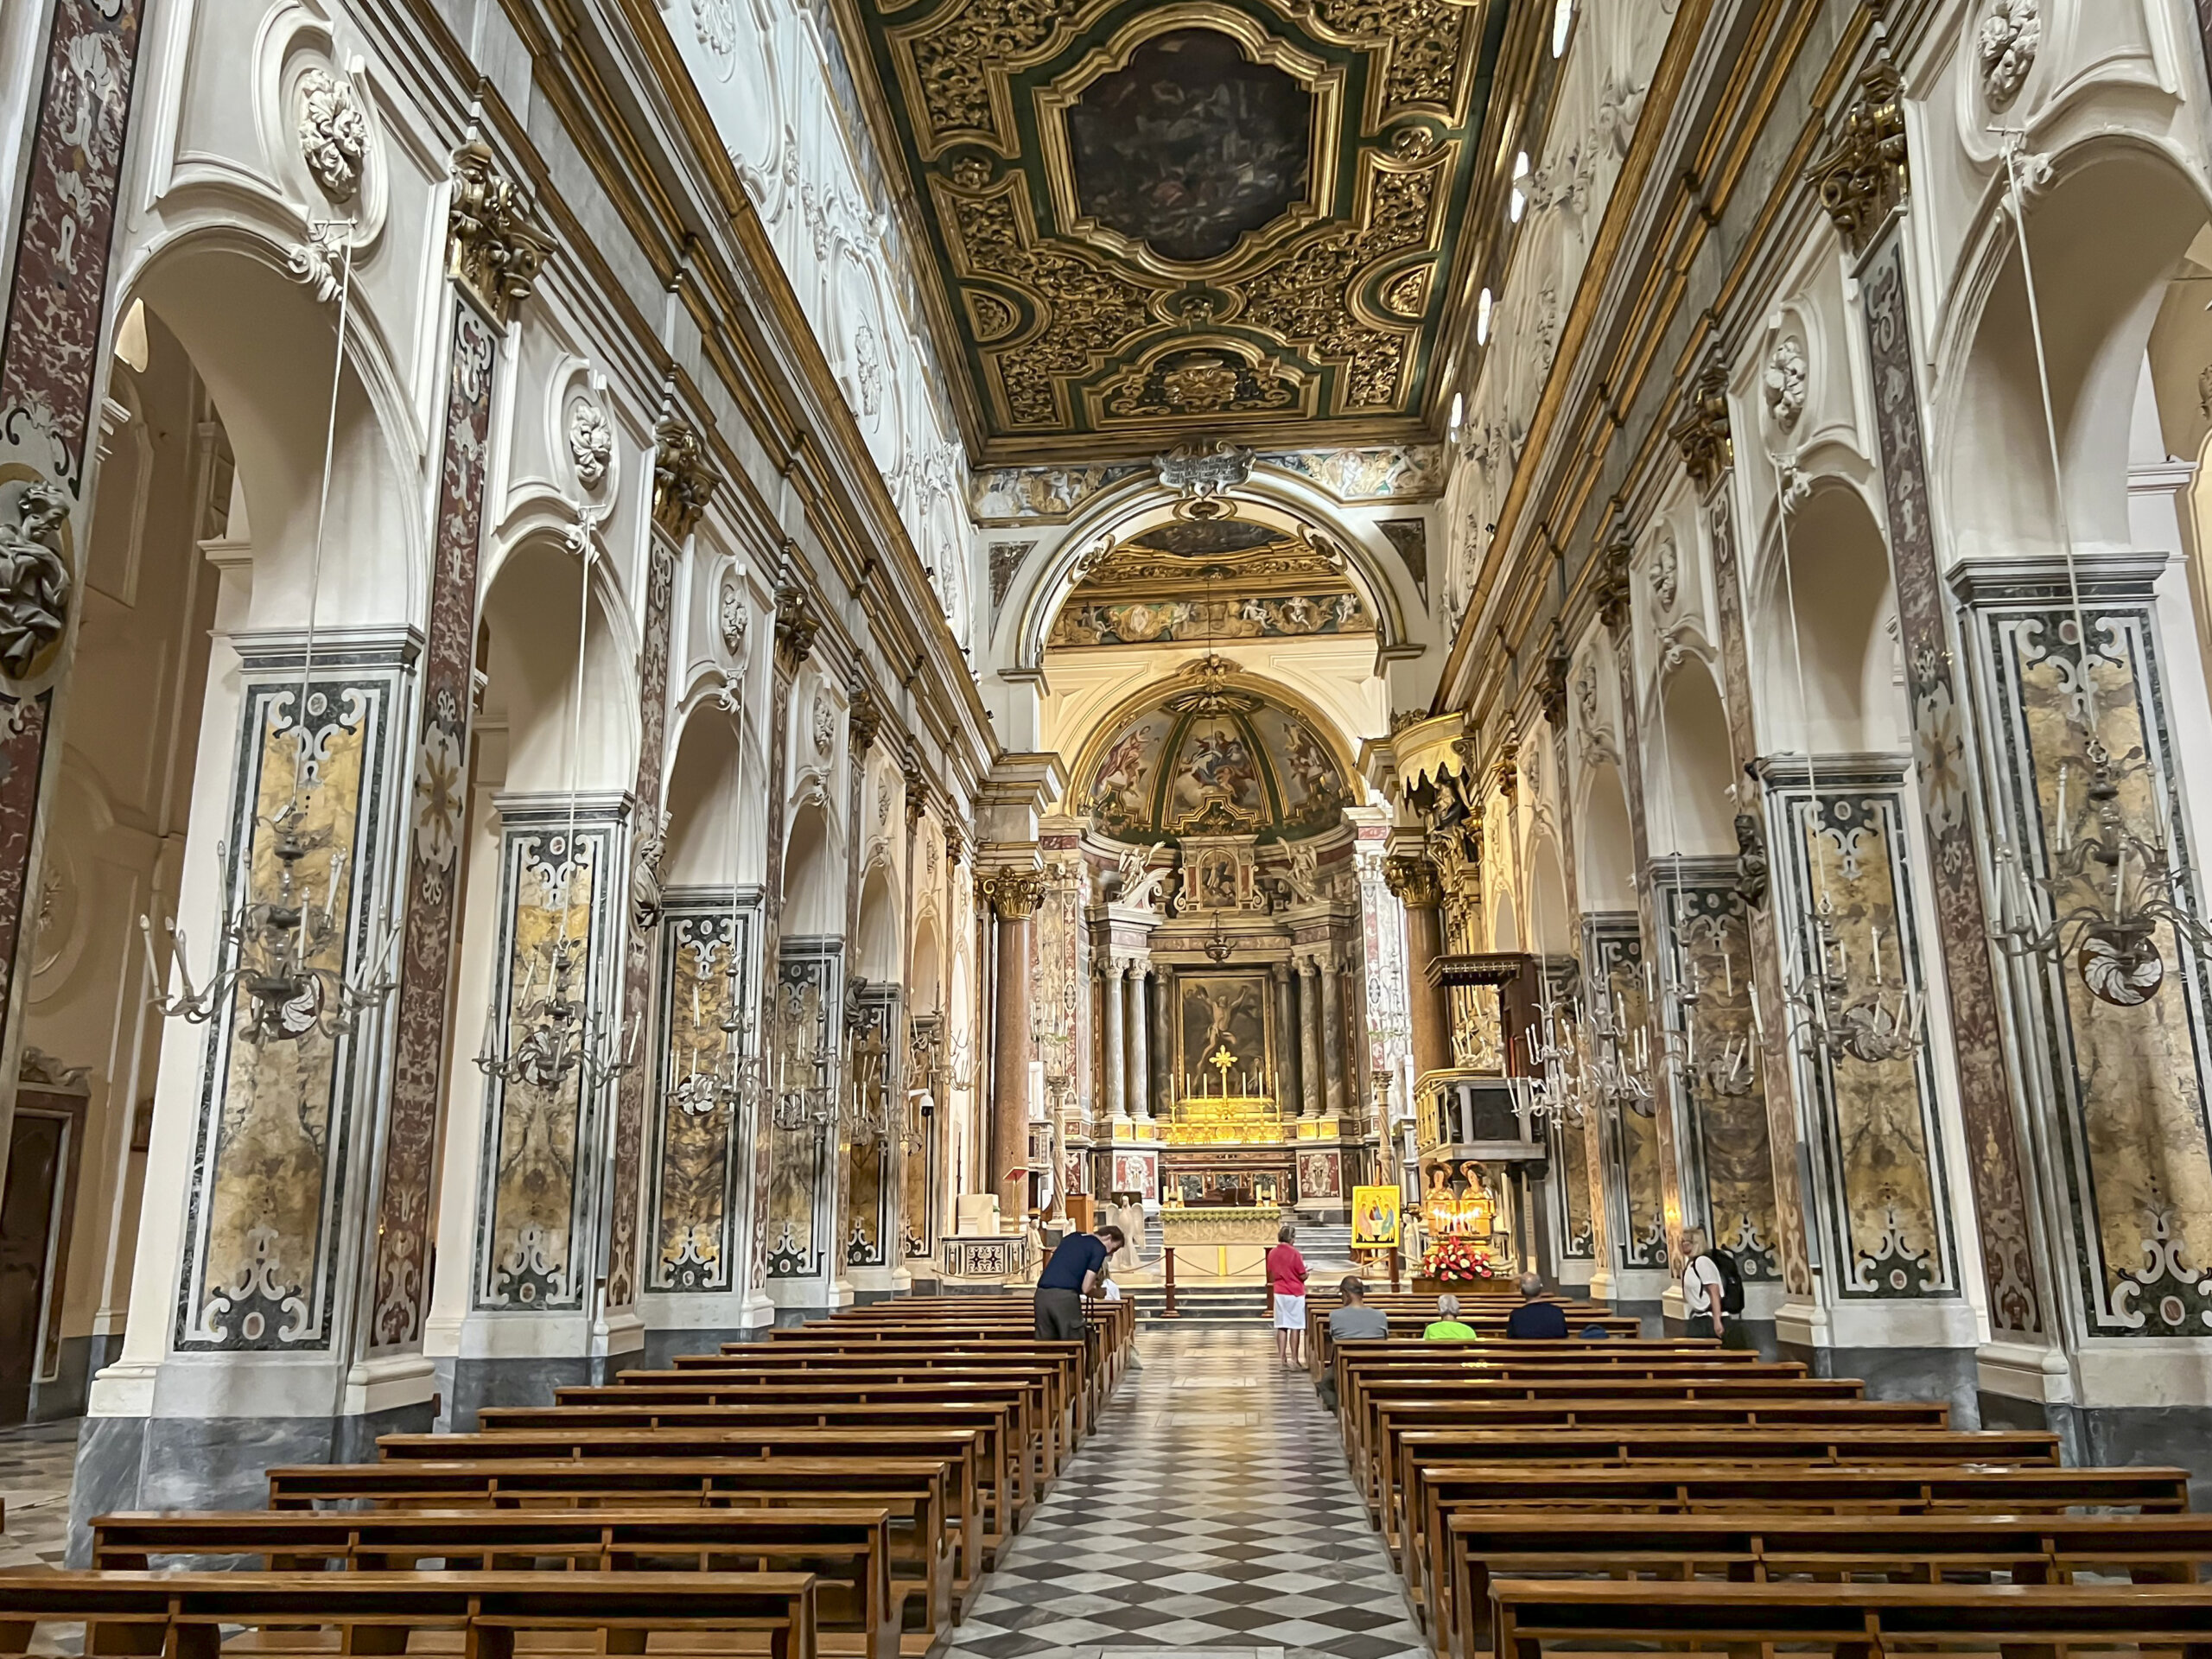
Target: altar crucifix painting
x: 1225, y: 1012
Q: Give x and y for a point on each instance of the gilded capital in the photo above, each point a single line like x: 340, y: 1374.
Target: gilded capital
x: 495, y: 254
x: 955, y: 845
x: 1611, y: 587
x: 796, y: 627
x: 917, y: 790
x: 683, y: 479
x: 1702, y: 434
x: 1014, y: 894
x: 1865, y: 174
x: 864, y: 720
x: 1413, y: 880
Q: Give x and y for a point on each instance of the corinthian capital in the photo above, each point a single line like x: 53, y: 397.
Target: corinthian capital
x: 1014, y: 894
x: 684, y: 479
x: 496, y: 253
x: 1865, y: 174
x: 1413, y: 880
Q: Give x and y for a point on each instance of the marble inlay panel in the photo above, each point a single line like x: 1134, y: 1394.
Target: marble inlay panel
x: 1940, y: 717
x: 869, y: 1189
x: 2137, y: 1156
x: 693, y: 1198
x: 277, y: 1139
x: 537, y: 1244
x: 1887, y: 1230
x: 1705, y: 923
x: 1616, y: 955
x: 803, y: 1052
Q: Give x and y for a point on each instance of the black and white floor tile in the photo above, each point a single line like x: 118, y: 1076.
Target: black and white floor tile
x: 1210, y: 1517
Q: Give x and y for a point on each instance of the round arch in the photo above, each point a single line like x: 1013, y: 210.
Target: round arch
x: 1839, y: 573
x: 1120, y: 511
x: 1692, y: 763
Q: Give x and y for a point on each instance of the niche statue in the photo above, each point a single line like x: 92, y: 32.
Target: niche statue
x: 1751, y: 861
x: 34, y: 582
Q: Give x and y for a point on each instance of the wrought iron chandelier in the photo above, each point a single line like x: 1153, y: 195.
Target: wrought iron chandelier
x: 2110, y: 881
x: 870, y: 1114
x: 1550, y: 1090
x: 268, y: 962
x: 802, y: 1097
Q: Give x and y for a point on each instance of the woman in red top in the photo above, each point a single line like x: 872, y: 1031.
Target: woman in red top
x: 1286, y: 1278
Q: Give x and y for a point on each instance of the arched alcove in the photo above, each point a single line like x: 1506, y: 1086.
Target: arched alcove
x: 1505, y: 928
x: 813, y: 893
x: 875, y: 952
x: 925, y: 978
x: 1551, y: 923
x: 530, y: 617
x: 1605, y: 868
x: 2104, y: 240
x: 1839, y: 573
x: 706, y: 797
x: 1688, y: 807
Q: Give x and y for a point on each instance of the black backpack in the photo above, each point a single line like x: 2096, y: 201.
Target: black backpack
x: 1731, y: 1282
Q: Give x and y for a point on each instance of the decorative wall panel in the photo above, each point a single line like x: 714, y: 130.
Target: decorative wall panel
x: 1615, y: 955
x: 693, y: 1200
x: 637, y: 948
x: 1939, y: 721
x: 1705, y: 925
x: 2119, y: 1036
x: 279, y: 1135
x: 803, y: 1051
x: 538, y: 1225
x: 1884, y: 1207
x: 439, y: 809
x: 871, y: 1192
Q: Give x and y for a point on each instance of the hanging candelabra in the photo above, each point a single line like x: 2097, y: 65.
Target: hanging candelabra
x: 563, y: 1030
x: 1619, y: 1068
x: 2110, y: 881
x: 1875, y: 1025
x: 274, y: 933
x: 868, y: 1090
x: 1549, y: 1090
x: 1727, y: 1073
x: 802, y: 1098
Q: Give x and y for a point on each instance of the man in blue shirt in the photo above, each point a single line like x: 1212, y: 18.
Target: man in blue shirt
x: 1535, y: 1318
x: 1071, y: 1275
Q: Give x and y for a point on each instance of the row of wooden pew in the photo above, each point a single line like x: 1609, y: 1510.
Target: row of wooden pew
x: 1587, y: 1496
x: 838, y: 1488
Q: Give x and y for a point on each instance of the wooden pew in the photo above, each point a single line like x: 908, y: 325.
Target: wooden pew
x: 858, y: 1604
x: 1393, y: 1416
x: 1851, y: 1620
x: 1362, y: 1365
x: 1036, y: 1384
x: 1769, y: 1489
x: 183, y: 1615
x: 1359, y: 1410
x: 803, y: 1346
x: 1005, y: 1476
x: 1482, y: 1545
x: 959, y: 1448
x: 918, y: 1493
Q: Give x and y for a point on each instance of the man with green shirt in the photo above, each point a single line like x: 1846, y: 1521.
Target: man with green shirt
x: 1447, y: 1327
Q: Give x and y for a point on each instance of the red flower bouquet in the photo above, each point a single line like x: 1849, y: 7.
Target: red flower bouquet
x: 1454, y: 1259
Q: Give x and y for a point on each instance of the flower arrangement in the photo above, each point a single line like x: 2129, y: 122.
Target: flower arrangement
x: 1454, y: 1259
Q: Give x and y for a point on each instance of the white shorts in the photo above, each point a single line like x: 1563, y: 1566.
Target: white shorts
x: 1290, y: 1313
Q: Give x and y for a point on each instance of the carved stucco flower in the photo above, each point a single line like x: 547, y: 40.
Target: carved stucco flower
x: 591, y: 442
x: 1665, y: 574
x: 1785, y: 382
x: 2009, y: 34
x: 439, y: 779
x: 333, y: 133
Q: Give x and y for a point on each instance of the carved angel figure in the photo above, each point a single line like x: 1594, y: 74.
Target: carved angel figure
x: 1140, y: 881
x: 34, y: 581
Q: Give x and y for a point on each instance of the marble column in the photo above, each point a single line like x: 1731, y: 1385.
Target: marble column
x: 1113, y: 1042
x: 1413, y: 880
x: 1163, y: 1041
x: 1137, y: 1071
x: 1014, y: 895
x: 1286, y: 1083
x: 1333, y: 1038
x: 1309, y: 1037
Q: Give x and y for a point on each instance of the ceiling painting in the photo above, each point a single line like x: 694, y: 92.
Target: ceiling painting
x: 1190, y: 581
x: 1215, y: 761
x: 1215, y: 216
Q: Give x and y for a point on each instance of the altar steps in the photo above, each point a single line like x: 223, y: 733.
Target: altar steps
x: 1211, y: 1305
x: 1325, y: 1246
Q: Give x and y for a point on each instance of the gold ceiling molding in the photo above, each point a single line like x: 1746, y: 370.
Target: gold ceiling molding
x: 1150, y: 223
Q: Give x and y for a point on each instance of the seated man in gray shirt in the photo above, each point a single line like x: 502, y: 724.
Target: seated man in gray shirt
x: 1355, y: 1320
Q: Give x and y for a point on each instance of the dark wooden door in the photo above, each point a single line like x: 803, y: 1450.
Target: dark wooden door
x: 26, y: 1226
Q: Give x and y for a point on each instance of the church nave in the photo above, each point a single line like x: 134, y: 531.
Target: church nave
x: 1211, y: 1513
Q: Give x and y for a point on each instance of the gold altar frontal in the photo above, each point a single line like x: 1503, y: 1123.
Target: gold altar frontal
x: 1219, y: 1240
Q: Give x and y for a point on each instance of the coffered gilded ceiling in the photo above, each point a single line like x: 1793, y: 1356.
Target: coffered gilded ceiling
x: 1216, y: 217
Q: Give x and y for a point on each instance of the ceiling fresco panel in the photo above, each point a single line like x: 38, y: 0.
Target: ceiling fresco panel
x: 1217, y: 216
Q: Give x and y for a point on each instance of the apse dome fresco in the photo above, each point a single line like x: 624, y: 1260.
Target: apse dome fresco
x: 1214, y: 761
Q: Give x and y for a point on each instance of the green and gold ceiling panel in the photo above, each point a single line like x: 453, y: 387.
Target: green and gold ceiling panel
x: 1225, y: 214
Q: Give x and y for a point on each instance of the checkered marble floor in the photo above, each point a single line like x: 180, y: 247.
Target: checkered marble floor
x: 1210, y: 1514
x: 35, y: 1467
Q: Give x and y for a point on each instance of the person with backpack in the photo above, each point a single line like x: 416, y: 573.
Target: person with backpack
x: 1711, y: 1288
